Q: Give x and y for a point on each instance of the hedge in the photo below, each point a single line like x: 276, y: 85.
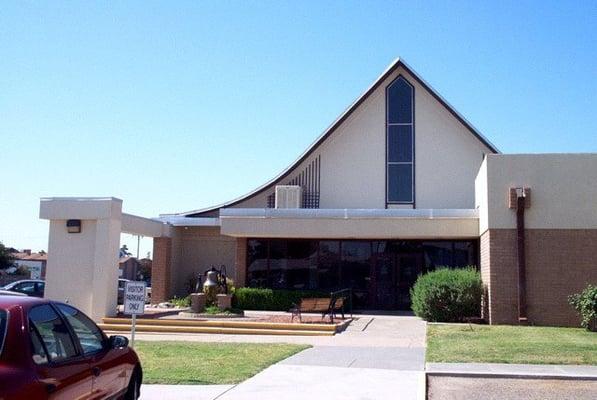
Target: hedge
x: 271, y: 299
x: 448, y: 295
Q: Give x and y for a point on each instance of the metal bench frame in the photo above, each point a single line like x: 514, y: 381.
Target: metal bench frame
x: 334, y: 303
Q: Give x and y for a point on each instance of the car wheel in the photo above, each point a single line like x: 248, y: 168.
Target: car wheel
x: 133, y: 390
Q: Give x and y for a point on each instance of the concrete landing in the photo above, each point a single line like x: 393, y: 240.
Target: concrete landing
x: 396, y: 358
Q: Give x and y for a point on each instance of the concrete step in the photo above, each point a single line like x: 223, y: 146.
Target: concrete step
x: 224, y: 324
x: 211, y: 329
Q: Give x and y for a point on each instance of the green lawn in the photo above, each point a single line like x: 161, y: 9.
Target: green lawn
x: 207, y: 363
x: 510, y: 344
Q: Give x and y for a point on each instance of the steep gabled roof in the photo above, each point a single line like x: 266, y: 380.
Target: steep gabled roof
x: 336, y: 124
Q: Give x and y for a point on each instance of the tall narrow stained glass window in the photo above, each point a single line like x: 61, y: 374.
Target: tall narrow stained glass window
x: 400, y: 142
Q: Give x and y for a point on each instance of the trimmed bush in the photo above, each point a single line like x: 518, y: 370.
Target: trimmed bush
x: 270, y: 299
x: 448, y: 295
x: 585, y: 303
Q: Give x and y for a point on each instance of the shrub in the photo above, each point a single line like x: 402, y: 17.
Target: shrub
x: 585, y: 303
x: 182, y: 302
x: 448, y: 295
x: 270, y: 299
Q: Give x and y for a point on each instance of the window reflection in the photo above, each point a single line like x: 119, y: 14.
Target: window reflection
x: 380, y: 272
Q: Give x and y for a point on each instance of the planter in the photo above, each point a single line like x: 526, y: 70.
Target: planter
x: 198, y: 302
x: 224, y: 301
x: 192, y: 315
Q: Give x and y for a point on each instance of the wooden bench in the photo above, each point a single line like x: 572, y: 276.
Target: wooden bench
x: 323, y: 305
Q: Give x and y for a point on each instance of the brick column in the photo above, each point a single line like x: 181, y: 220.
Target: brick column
x: 241, y: 262
x: 500, y: 275
x: 160, y: 269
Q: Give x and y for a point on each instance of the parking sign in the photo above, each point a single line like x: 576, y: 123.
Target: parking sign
x: 134, y: 297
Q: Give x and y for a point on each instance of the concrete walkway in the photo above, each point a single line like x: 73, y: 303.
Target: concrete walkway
x: 376, y: 357
x: 183, y: 392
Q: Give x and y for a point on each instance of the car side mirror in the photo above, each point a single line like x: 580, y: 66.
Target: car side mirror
x: 118, y: 342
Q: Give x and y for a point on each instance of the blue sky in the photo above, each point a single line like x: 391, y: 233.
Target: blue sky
x: 174, y: 106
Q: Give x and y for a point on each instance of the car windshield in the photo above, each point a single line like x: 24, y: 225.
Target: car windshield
x: 3, y: 322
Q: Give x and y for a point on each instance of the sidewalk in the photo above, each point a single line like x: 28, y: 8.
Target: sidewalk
x: 183, y: 392
x: 377, y: 357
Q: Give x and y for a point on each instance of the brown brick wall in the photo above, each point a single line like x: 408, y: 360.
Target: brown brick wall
x: 559, y: 262
x: 160, y: 269
x: 241, y: 262
x: 500, y: 273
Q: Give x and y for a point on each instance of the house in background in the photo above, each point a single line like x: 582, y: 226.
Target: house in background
x: 127, y: 268
x: 133, y: 269
x: 34, y: 262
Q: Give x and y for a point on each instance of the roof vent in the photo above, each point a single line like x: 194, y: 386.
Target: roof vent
x: 288, y: 196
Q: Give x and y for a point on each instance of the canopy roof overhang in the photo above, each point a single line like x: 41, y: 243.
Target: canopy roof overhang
x: 350, y: 223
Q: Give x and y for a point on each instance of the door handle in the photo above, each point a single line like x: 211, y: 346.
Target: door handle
x: 51, y: 388
x: 96, y: 371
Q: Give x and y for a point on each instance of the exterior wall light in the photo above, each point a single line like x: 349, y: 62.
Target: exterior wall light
x: 73, y: 226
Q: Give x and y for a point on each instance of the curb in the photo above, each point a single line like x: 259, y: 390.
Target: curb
x: 499, y: 375
x: 513, y: 371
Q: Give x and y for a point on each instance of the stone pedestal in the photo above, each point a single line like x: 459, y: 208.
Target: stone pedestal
x: 224, y: 301
x: 198, y: 302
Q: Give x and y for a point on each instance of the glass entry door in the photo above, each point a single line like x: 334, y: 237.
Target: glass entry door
x: 395, y: 274
x: 384, y: 287
x: 409, y: 267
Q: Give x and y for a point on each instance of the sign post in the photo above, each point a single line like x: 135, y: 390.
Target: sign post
x: 134, y: 303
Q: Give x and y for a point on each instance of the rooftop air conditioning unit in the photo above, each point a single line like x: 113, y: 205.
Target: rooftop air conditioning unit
x: 288, y: 196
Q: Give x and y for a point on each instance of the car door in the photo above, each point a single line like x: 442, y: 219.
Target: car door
x: 39, y: 289
x: 109, y: 372
x: 27, y: 288
x: 59, y: 366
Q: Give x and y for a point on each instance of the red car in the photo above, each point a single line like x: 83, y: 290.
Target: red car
x: 51, y: 350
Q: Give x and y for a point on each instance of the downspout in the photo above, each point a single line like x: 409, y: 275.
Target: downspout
x: 522, y: 202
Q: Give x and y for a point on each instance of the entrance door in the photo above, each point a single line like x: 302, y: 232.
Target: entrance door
x: 384, y: 287
x: 409, y: 267
x: 395, y: 275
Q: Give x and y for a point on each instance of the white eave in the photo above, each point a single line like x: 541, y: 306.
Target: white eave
x: 347, y: 213
x: 187, y: 221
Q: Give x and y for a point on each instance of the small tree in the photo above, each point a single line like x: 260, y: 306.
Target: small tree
x: 6, y: 258
x: 585, y: 303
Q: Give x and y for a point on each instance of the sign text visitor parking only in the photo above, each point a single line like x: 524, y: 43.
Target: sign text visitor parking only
x: 134, y: 297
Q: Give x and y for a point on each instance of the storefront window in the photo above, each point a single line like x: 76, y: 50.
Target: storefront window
x: 329, y: 264
x: 379, y: 272
x: 301, y: 268
x: 257, y: 274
